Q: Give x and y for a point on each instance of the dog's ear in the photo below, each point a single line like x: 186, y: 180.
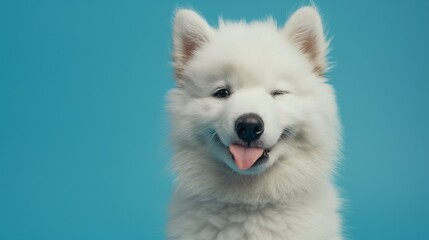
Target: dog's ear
x: 190, y: 32
x: 304, y: 28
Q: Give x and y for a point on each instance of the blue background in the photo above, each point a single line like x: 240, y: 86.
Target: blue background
x: 83, y: 131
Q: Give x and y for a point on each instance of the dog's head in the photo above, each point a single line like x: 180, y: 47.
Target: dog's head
x: 251, y: 99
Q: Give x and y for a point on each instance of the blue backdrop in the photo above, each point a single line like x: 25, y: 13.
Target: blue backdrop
x: 83, y: 132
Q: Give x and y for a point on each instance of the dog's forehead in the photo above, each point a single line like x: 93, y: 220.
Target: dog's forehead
x: 243, y: 55
x: 244, y: 70
x: 247, y: 75
x: 256, y: 55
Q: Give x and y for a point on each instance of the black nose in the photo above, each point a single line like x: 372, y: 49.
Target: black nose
x: 249, y: 127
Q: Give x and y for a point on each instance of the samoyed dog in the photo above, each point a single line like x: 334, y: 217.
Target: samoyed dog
x: 255, y: 130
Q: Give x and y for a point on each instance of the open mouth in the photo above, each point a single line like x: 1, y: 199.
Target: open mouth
x: 252, y: 155
x: 248, y: 157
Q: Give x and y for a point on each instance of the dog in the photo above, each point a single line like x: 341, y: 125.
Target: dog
x: 255, y: 130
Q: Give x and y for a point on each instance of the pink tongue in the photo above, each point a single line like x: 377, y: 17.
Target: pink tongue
x: 245, y: 157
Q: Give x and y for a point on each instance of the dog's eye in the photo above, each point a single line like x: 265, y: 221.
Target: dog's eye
x: 222, y: 93
x: 278, y: 92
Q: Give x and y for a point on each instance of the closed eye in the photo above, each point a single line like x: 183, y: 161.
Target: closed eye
x: 278, y: 92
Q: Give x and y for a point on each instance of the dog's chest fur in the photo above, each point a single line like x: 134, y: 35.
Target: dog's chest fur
x: 301, y: 220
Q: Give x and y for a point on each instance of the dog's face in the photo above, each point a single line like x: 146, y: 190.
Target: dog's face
x: 250, y: 96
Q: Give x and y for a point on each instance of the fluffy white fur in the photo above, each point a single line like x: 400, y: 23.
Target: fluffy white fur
x: 291, y: 196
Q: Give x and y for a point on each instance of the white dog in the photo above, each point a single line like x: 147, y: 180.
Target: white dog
x: 255, y: 130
